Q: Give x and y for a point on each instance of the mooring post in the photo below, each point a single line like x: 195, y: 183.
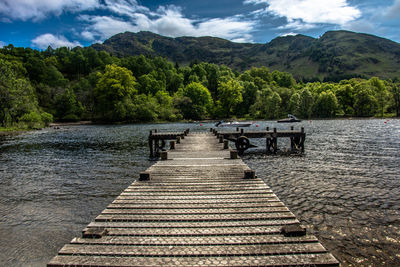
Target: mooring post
x: 275, y: 141
x: 211, y: 129
x: 172, y: 144
x: 267, y: 128
x: 291, y: 128
x: 164, y: 155
x: 237, y: 129
x: 178, y: 139
x: 144, y: 176
x: 303, y: 139
x: 234, y: 154
x: 151, y: 144
x: 221, y: 138
x: 241, y: 132
x: 249, y: 174
x: 226, y: 144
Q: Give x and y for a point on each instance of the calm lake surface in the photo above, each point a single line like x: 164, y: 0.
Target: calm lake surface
x: 346, y: 188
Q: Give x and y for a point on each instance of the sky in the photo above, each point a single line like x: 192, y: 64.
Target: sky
x: 40, y: 23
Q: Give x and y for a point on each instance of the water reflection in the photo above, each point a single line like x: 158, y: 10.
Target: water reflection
x: 346, y: 187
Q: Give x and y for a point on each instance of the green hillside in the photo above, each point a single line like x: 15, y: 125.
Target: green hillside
x: 334, y: 56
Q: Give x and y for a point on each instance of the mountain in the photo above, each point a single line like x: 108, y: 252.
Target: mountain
x: 334, y: 56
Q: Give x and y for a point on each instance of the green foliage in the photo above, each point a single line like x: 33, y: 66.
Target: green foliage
x: 195, y: 102
x: 229, y: 96
x: 326, y: 105
x: 71, y: 84
x: 113, y: 93
x: 306, y: 103
x: 365, y: 104
x: 67, y: 107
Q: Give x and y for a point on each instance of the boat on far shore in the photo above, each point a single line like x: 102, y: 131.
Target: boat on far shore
x: 290, y: 118
x: 233, y: 124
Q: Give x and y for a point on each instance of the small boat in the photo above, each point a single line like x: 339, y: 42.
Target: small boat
x: 290, y: 118
x: 233, y: 124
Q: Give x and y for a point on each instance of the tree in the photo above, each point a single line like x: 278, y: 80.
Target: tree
x: 381, y: 94
x: 229, y: 95
x: 17, y: 96
x: 306, y: 103
x: 326, y: 105
x: 200, y: 101
x: 67, y: 107
x: 365, y: 103
x: 294, y: 104
x: 113, y: 93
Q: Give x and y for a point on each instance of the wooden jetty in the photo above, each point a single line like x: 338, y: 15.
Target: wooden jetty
x: 198, y: 206
x: 242, y: 142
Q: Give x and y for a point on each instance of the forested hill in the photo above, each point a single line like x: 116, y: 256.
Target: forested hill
x: 334, y: 56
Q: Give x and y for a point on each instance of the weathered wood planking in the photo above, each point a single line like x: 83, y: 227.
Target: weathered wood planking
x: 196, y: 210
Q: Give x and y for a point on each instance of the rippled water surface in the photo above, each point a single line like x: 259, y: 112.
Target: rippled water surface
x: 346, y: 188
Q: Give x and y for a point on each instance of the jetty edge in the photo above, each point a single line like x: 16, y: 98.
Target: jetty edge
x: 199, y: 205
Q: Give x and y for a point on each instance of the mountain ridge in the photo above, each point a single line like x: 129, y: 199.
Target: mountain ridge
x: 333, y: 56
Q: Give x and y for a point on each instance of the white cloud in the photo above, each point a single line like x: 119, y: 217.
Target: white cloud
x: 168, y: 21
x: 393, y: 11
x: 288, y: 34
x: 125, y: 7
x: 297, y: 25
x: 310, y: 11
x: 39, y: 9
x: 45, y: 40
x: 2, y: 44
x: 104, y: 27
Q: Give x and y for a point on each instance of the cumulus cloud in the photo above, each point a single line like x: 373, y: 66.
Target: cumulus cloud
x: 308, y: 12
x: 45, y: 40
x: 39, y: 9
x: 168, y: 21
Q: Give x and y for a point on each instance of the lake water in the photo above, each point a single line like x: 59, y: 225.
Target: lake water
x: 345, y: 189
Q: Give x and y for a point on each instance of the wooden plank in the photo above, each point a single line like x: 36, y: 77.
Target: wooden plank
x: 192, y: 210
x: 159, y: 205
x: 186, y: 231
x: 309, y: 259
x: 200, y: 251
x: 194, y: 240
x: 194, y: 217
x: 195, y: 224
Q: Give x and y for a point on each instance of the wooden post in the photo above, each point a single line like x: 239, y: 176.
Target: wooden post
x: 234, y: 154
x: 144, y: 176
x: 221, y: 138
x: 211, y: 129
x: 237, y: 129
x: 291, y: 128
x: 249, y: 174
x: 171, y: 144
x: 164, y: 155
x: 275, y: 140
x: 226, y: 144
x: 151, y: 144
x: 178, y: 139
x: 267, y: 128
x: 241, y: 132
x: 155, y: 130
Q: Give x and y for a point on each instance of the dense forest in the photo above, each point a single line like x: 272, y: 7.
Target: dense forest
x: 38, y: 87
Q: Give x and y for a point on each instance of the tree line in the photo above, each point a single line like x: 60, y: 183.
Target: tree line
x: 37, y: 87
